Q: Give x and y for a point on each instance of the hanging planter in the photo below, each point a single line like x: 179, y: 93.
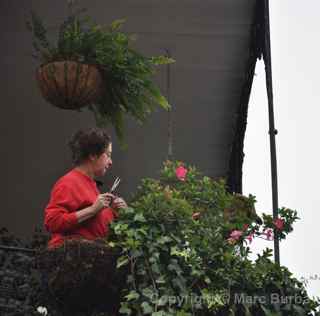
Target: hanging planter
x: 69, y: 85
x: 126, y: 87
x: 82, y: 274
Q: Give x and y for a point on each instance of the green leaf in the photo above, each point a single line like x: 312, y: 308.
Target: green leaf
x: 232, y: 311
x: 155, y: 268
x: 268, y: 312
x: 161, y: 280
x: 299, y: 309
x: 156, y: 94
x: 207, y: 280
x: 247, y: 311
x: 162, y: 301
x: 183, y: 313
x: 133, y: 295
x: 146, y: 308
x: 125, y: 310
x: 175, y: 267
x: 149, y: 293
x: 136, y: 253
x: 159, y: 313
x: 164, y: 239
x: 161, y: 99
x: 179, y: 283
x: 122, y: 261
x: 139, y: 218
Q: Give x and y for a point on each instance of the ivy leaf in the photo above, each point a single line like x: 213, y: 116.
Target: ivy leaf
x: 128, y: 210
x: 136, y: 253
x: 155, y: 268
x: 179, y: 283
x: 133, y: 295
x: 207, y: 280
x: 139, y: 218
x: 174, y: 267
x: 143, y: 231
x: 161, y: 280
x: 146, y: 308
x: 162, y: 301
x: 159, y: 313
x: 149, y: 293
x: 164, y: 239
x: 124, y: 309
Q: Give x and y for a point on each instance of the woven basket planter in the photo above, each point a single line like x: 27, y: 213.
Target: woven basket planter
x: 82, y: 275
x: 69, y: 85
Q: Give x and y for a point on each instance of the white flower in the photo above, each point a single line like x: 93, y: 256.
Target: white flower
x: 42, y: 310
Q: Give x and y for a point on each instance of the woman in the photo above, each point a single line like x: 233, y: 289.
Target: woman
x: 76, y: 208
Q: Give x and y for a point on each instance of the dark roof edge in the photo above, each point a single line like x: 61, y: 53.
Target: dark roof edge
x: 234, y: 176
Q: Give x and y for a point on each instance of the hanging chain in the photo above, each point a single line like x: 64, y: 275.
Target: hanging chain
x: 170, y: 112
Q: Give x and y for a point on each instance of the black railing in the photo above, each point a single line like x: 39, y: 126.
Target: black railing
x: 16, y: 265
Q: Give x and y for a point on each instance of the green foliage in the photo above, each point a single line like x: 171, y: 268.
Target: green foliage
x: 179, y: 264
x: 128, y: 89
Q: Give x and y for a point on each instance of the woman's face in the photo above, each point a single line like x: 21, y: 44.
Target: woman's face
x: 100, y: 164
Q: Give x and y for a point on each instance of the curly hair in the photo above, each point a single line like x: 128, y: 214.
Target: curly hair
x: 86, y: 142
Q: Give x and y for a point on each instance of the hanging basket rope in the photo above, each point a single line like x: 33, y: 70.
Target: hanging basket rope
x: 69, y: 85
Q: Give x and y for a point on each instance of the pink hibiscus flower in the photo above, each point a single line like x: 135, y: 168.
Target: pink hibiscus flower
x: 181, y: 173
x: 234, y: 236
x: 279, y: 223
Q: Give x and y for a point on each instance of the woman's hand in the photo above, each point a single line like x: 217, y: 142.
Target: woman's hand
x: 102, y: 201
x: 119, y: 202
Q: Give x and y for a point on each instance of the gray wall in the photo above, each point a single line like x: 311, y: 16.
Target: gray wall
x: 209, y: 40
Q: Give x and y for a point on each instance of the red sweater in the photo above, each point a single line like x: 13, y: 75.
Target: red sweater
x: 71, y: 193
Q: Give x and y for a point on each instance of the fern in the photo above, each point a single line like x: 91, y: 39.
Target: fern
x: 129, y: 89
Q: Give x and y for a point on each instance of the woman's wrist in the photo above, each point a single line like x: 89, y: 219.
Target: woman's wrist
x: 86, y: 213
x: 94, y: 209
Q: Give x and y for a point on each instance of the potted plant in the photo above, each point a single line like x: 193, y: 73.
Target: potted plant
x: 95, y: 66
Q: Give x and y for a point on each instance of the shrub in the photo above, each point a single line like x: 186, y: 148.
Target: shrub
x: 184, y: 258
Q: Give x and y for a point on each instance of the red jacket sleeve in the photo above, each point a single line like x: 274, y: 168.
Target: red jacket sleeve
x: 60, y: 216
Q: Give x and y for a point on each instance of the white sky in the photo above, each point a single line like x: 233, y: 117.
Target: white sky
x: 295, y: 60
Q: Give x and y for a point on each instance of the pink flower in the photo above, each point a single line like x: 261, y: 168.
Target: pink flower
x: 234, y: 236
x: 279, y: 223
x: 181, y: 173
x: 269, y: 233
x: 250, y: 238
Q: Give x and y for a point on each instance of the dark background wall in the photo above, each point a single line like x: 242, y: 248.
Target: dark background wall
x: 208, y: 39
